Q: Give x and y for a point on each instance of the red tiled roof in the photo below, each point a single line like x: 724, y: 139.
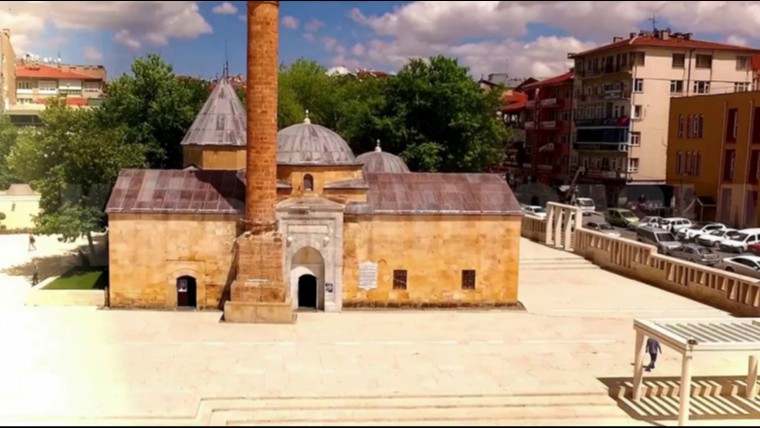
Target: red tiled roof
x: 42, y: 71
x: 515, y: 106
x: 673, y: 43
x: 556, y: 80
x: 514, y: 101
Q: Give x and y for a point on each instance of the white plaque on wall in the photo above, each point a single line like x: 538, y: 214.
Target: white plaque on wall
x: 367, y: 276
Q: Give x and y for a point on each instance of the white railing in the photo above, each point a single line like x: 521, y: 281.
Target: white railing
x: 734, y: 293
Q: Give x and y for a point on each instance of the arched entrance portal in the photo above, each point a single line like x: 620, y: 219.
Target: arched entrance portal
x: 307, y: 285
x: 307, y: 292
x: 187, y: 292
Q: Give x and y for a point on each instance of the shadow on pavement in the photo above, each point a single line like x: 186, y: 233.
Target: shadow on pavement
x: 59, y: 264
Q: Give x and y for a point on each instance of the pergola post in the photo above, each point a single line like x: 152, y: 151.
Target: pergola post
x: 638, y: 365
x: 549, y: 221
x: 752, y: 378
x: 685, y: 402
x: 558, y: 228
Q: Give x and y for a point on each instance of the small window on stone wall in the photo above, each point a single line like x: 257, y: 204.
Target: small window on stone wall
x: 468, y: 280
x: 308, y: 183
x: 399, y: 280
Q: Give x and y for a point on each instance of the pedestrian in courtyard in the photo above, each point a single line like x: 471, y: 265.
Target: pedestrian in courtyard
x: 35, y: 275
x: 32, y: 241
x: 653, y: 349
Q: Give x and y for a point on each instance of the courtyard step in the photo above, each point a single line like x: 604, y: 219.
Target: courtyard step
x: 471, y: 410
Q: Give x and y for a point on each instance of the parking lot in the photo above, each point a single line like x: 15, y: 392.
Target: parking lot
x: 629, y: 234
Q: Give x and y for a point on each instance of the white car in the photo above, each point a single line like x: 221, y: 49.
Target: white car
x: 741, y: 241
x: 651, y: 221
x: 714, y: 238
x: 743, y: 265
x: 586, y: 205
x: 535, y: 211
x: 674, y: 224
x: 699, y: 229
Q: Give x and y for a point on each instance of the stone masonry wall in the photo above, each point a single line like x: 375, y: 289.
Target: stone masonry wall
x: 433, y: 251
x: 147, y: 253
x: 224, y: 158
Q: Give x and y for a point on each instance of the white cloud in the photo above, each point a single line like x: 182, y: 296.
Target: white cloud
x: 243, y: 18
x: 313, y: 26
x: 92, y: 54
x: 331, y: 44
x: 225, y: 8
x: 124, y: 38
x: 290, y: 22
x: 309, y: 37
x: 737, y: 41
x: 499, y: 29
x: 133, y: 22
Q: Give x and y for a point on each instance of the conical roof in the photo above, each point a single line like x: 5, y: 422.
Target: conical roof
x: 221, y: 121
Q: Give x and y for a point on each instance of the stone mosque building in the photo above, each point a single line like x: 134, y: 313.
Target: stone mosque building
x: 261, y: 223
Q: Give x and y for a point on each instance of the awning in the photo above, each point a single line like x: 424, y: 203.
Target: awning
x: 546, y: 148
x: 707, y: 201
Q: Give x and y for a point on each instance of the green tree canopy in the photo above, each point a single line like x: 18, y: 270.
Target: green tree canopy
x: 155, y: 108
x: 73, y: 161
x: 8, y: 138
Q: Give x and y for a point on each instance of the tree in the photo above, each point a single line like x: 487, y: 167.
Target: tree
x: 440, y: 119
x: 155, y: 108
x: 8, y: 137
x: 73, y: 161
x: 305, y: 85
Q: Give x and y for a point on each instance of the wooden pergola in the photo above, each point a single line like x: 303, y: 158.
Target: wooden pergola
x: 689, y: 337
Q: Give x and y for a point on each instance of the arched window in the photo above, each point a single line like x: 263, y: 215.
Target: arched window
x: 308, y: 183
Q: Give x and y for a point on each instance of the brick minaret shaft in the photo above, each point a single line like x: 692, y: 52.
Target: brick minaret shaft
x: 261, y: 156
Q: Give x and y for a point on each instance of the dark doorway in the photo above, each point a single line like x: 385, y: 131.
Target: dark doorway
x: 187, y: 292
x: 307, y: 292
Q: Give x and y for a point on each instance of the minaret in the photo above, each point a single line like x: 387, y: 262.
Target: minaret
x: 261, y: 157
x: 259, y: 293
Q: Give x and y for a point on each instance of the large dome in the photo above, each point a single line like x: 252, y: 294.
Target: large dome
x: 310, y: 144
x: 380, y: 162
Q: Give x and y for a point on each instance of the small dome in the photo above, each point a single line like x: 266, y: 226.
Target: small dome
x: 310, y: 144
x: 380, y: 162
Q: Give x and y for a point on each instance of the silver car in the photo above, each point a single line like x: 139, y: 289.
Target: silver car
x: 696, y: 254
x: 743, y: 265
x: 604, y: 228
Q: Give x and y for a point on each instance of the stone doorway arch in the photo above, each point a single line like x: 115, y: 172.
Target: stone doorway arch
x: 307, y: 269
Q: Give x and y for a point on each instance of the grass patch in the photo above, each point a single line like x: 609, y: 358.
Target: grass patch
x: 81, y: 279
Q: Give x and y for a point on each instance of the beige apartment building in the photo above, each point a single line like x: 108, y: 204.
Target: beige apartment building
x: 29, y: 82
x: 622, y: 101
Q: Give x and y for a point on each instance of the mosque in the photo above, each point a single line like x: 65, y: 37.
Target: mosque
x: 261, y: 223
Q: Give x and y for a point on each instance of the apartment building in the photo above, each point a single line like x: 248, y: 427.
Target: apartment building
x: 714, y: 156
x: 622, y: 100
x: 548, y: 130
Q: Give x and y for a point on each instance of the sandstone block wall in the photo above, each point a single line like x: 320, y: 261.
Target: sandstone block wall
x: 323, y: 175
x: 147, y: 253
x: 224, y: 158
x: 433, y: 251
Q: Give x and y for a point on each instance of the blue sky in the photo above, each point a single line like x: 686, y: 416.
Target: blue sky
x: 521, y: 38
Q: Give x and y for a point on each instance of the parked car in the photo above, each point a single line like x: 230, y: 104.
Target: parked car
x: 743, y: 265
x: 621, y: 217
x: 697, y: 230
x: 754, y: 249
x: 696, y: 254
x: 662, y: 239
x: 604, y: 228
x: 651, y: 221
x: 740, y: 242
x: 535, y: 211
x: 586, y: 205
x: 713, y: 238
x: 675, y: 224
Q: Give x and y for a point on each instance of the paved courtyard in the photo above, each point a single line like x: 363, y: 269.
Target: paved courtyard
x: 574, y: 338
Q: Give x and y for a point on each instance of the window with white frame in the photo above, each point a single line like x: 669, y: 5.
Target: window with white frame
x: 635, y: 139
x: 638, y: 112
x: 701, y: 87
x: 676, y: 86
x: 743, y: 63
x: 23, y: 84
x: 741, y: 86
x: 633, y: 165
x: 679, y: 60
x: 638, y: 85
x: 704, y: 61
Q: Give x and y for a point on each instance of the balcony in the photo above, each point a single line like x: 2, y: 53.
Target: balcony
x: 527, y: 166
x: 545, y: 168
x: 549, y: 102
x: 549, y: 124
x: 530, y: 125
x: 610, y: 122
x: 616, y: 94
x: 24, y: 91
x: 605, y: 174
x: 602, y: 147
x: 531, y: 104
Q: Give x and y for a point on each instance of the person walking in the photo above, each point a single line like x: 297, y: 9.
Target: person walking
x: 32, y: 241
x: 653, y: 349
x: 35, y: 275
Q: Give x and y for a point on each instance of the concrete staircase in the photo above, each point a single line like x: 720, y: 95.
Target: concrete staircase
x: 537, y: 410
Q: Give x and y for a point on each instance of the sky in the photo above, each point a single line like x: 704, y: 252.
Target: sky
x: 521, y: 38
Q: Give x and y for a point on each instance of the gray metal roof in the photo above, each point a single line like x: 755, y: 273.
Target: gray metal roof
x: 437, y: 194
x: 221, y: 121
x: 379, y: 162
x: 310, y: 144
